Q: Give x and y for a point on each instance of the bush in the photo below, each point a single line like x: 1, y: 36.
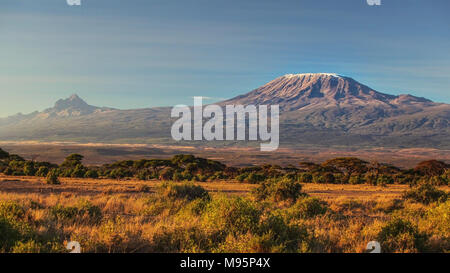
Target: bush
x: 383, y: 180
x: 305, y: 178
x: 52, y: 178
x: 3, y: 154
x: 13, y: 229
x: 166, y: 174
x: 307, y: 207
x: 241, y: 177
x: 119, y: 173
x: 10, y: 233
x: 283, y: 189
x: 187, y: 191
x: 426, y: 194
x: 177, y: 176
x: 78, y: 172
x: 83, y: 210
x: 233, y: 215
x: 275, y: 235
x: 42, y: 171
x: 91, y: 174
x: 28, y: 247
x: 399, y: 235
x: 11, y: 210
x: 355, y: 179
x: 183, y: 240
x: 254, y: 178
x: 28, y: 168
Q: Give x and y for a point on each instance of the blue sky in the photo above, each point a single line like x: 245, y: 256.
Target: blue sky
x: 144, y: 53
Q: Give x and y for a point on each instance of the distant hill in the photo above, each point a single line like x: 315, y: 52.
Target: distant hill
x: 316, y: 109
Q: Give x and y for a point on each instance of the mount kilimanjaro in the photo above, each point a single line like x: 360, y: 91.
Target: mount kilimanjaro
x: 315, y: 109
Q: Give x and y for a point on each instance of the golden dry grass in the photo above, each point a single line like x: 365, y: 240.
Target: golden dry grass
x: 134, y: 221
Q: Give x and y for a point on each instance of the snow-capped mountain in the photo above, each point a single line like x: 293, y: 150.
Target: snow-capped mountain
x: 316, y: 109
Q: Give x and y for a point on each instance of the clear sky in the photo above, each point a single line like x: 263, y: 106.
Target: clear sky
x: 144, y: 53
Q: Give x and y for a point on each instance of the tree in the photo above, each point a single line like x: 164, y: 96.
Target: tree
x: 78, y: 171
x: 166, y: 174
x: 52, y: 178
x: 347, y: 165
x: 42, y: 171
x: 305, y: 177
x: 13, y: 157
x: 28, y: 168
x: 431, y: 167
x: 3, y: 154
x: 91, y: 174
x: 72, y: 161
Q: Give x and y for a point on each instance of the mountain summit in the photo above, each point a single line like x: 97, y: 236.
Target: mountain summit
x: 296, y: 91
x: 72, y: 106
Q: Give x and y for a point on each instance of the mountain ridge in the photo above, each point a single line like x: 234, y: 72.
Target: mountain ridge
x: 315, y: 108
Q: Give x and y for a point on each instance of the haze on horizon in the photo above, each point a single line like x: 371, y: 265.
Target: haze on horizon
x: 136, y: 54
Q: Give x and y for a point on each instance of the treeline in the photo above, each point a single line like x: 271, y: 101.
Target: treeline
x: 346, y: 170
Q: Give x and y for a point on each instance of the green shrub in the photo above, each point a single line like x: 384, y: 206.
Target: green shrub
x: 52, y: 177
x: 305, y: 178
x: 42, y: 171
x: 91, y: 174
x: 253, y: 178
x: 3, y: 154
x: 78, y: 172
x: 28, y: 247
x: 28, y: 168
x: 9, y: 234
x: 400, y: 235
x: 383, y: 180
x: 201, y: 178
x: 8, y: 171
x: 275, y: 235
x: 356, y: 179
x: 187, y: 191
x: 177, y: 176
x: 11, y: 210
x: 283, y: 189
x: 166, y: 174
x: 83, y: 210
x: 307, y: 207
x: 426, y: 194
x: 241, y: 177
x: 187, y: 175
x: 233, y: 215
x: 119, y: 173
x: 13, y: 229
x: 439, y: 219
x: 184, y: 240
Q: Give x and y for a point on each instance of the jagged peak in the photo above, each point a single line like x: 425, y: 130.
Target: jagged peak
x: 73, y: 101
x: 74, y: 97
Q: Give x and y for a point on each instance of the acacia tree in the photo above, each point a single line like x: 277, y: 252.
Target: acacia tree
x: 72, y: 161
x: 347, y: 165
x: 431, y: 168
